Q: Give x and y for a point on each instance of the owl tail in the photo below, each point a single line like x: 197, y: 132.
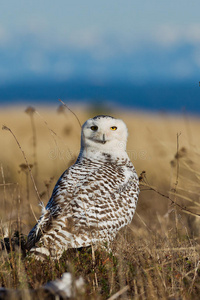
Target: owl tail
x: 33, y: 237
x: 42, y: 253
x: 37, y: 231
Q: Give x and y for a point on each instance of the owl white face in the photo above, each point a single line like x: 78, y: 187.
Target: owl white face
x: 104, y: 133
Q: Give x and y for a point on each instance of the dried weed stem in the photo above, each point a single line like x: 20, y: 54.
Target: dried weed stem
x: 28, y: 166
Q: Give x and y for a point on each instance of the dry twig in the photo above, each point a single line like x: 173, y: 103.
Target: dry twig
x: 70, y: 111
x: 28, y: 165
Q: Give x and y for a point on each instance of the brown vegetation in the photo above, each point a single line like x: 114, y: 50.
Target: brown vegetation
x: 157, y: 256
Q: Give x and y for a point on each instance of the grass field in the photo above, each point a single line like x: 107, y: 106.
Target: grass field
x: 157, y: 256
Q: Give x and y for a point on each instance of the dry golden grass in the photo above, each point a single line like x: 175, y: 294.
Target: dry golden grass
x: 157, y: 257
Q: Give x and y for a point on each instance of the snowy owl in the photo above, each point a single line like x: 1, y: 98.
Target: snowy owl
x: 94, y: 198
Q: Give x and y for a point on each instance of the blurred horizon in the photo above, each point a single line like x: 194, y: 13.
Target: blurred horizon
x: 176, y: 98
x: 135, y: 54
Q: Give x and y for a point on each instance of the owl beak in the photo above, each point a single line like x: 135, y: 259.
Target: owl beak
x: 104, y: 139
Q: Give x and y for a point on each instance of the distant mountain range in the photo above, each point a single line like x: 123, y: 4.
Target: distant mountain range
x: 172, y: 97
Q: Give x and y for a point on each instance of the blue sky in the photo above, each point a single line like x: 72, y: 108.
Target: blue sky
x: 99, y: 40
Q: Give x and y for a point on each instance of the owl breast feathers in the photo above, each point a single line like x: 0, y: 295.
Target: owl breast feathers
x: 94, y: 198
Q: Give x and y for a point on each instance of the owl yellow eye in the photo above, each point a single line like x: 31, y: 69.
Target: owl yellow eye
x: 94, y: 128
x: 113, y: 128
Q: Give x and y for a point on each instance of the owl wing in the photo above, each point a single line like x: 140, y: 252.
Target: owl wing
x: 52, y: 210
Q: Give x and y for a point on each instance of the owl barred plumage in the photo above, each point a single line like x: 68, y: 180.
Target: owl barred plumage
x: 94, y: 198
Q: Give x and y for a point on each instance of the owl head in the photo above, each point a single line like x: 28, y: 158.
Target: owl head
x: 104, y: 133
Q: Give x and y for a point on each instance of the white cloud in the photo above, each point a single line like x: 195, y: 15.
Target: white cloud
x: 85, y: 39
x: 36, y: 61
x: 4, y: 37
x: 182, y: 69
x: 196, y: 55
x: 100, y: 45
x: 44, y: 51
x: 171, y: 36
x: 193, y: 33
x: 166, y: 35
